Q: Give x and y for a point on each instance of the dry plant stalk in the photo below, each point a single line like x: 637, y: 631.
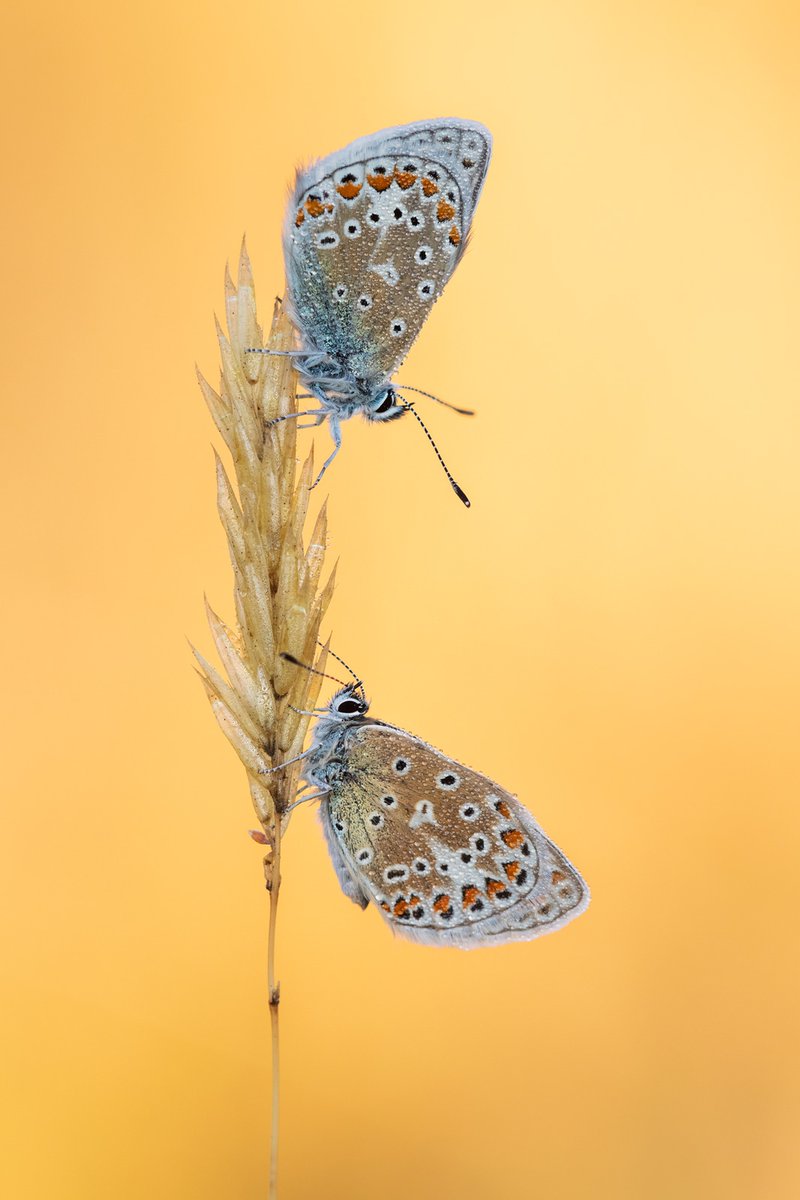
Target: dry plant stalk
x: 278, y: 598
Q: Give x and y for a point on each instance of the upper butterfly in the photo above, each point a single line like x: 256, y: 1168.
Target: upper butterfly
x: 372, y: 235
x: 446, y: 856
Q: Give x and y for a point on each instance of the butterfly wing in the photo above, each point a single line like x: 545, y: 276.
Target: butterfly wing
x: 447, y: 856
x: 348, y: 879
x: 374, y: 232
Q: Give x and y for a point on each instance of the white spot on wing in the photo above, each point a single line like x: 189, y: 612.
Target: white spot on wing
x: 388, y: 273
x: 423, y: 815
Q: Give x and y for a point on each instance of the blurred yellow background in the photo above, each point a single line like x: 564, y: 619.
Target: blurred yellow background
x: 612, y: 631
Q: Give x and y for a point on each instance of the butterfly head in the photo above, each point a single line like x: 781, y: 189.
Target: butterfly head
x: 348, y: 703
x: 346, y: 707
x: 383, y: 405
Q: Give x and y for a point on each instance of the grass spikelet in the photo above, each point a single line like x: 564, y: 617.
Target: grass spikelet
x: 279, y: 602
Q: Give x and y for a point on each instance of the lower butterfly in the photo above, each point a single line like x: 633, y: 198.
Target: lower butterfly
x: 372, y: 235
x: 445, y: 855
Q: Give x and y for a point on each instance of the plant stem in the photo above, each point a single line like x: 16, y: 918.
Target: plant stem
x: 274, y: 989
x: 259, y: 698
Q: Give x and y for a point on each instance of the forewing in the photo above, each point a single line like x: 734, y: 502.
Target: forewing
x: 348, y: 879
x: 446, y: 855
x: 374, y: 232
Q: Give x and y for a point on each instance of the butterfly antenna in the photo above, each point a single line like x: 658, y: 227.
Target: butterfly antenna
x: 463, y: 497
x: 290, y: 658
x: 339, y: 659
x: 465, y: 412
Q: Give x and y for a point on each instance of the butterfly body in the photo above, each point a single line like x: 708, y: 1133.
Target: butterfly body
x: 444, y: 854
x: 372, y: 235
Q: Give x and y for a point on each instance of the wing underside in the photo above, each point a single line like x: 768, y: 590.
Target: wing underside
x: 445, y: 855
x: 373, y: 234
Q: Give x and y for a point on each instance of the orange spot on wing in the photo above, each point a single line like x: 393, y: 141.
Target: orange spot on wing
x: 380, y: 182
x: 405, y: 179
x: 385, y: 906
x: 512, y: 838
x: 400, y: 907
x: 455, y: 236
x: 349, y: 190
x: 301, y: 216
x: 494, y: 886
x: 445, y: 211
x: 442, y: 904
x: 512, y: 869
x: 315, y: 208
x: 503, y: 809
x: 557, y: 877
x: 429, y: 187
x: 471, y: 894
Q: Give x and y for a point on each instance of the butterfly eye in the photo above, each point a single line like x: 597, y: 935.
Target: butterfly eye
x: 386, y: 403
x: 349, y: 706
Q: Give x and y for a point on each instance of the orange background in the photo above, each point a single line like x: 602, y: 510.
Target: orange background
x: 612, y: 631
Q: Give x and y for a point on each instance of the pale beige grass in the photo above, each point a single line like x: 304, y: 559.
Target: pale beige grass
x: 278, y: 597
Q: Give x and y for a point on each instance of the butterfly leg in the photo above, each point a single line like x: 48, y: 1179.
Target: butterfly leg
x: 282, y: 766
x: 336, y: 434
x: 305, y: 799
x: 319, y: 413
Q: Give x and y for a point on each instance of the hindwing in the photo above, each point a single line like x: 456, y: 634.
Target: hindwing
x: 444, y: 853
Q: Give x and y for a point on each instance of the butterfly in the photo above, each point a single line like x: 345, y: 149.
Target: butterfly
x: 372, y: 235
x: 445, y: 855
